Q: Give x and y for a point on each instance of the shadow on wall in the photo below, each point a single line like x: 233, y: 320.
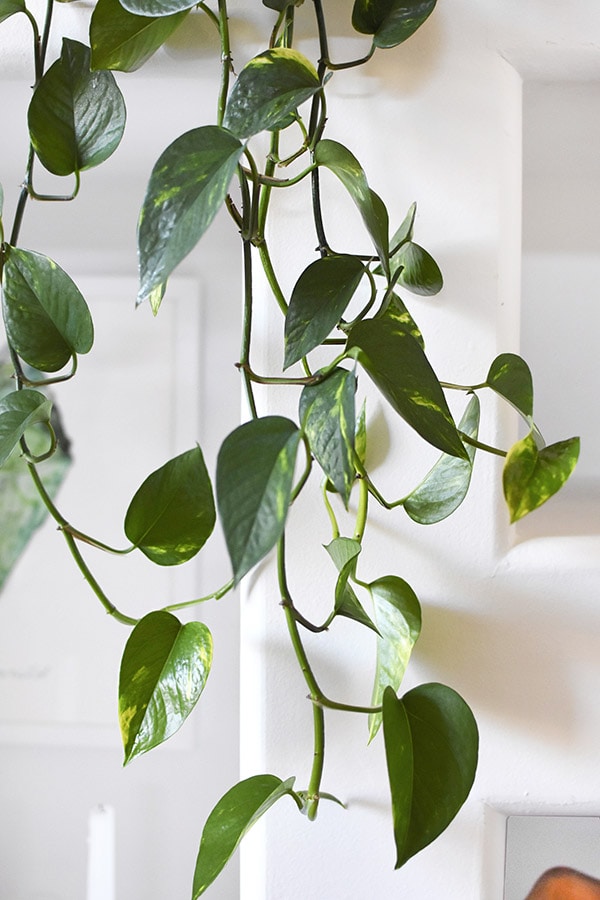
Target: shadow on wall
x: 524, y: 663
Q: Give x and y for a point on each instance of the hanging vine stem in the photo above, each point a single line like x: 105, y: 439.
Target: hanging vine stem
x: 316, y: 775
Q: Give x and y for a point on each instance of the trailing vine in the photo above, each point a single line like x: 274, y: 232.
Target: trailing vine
x: 349, y: 307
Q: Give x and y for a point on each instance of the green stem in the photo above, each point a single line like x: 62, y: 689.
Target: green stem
x: 312, y: 799
x: 335, y: 528
x: 71, y: 543
x: 363, y: 509
x: 226, y: 60
x: 110, y: 608
x: 481, y: 446
x: 216, y: 595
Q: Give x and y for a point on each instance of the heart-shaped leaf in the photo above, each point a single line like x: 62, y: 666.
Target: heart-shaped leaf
x: 172, y: 514
x: 391, y: 22
x: 187, y: 187
x: 47, y: 320
x: 531, y: 476
x: 344, y: 553
x: 397, y: 614
x: 20, y: 410
x: 328, y: 419
x: 420, y: 272
x: 76, y: 117
x: 509, y: 376
x: 163, y: 672
x: 123, y: 41
x: 268, y: 88
x: 398, y: 366
x: 255, y: 472
x: 318, y: 302
x: 446, y: 485
x: 339, y: 160
x: 233, y: 816
x: 431, y: 746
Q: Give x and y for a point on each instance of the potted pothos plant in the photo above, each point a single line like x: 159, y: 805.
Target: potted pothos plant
x: 76, y: 119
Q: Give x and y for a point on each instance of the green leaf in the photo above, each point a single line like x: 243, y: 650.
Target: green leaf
x: 255, y: 472
x: 123, y: 41
x: 344, y: 553
x: 398, y: 312
x: 531, y: 476
x: 20, y: 503
x: 10, y: 7
x: 172, y: 514
x: 446, y: 485
x: 328, y: 419
x: 360, y: 437
x: 268, y: 88
x: 431, y: 746
x: 318, y: 302
x: 76, y: 117
x: 156, y: 8
x: 405, y: 231
x: 420, y: 272
x: 18, y: 411
x: 233, y: 816
x: 510, y: 377
x: 47, y: 320
x: 163, y: 672
x: 391, y: 22
x: 397, y: 614
x: 187, y: 187
x: 398, y: 366
x: 339, y: 160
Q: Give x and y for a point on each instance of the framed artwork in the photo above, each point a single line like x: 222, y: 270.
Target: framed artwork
x: 550, y: 857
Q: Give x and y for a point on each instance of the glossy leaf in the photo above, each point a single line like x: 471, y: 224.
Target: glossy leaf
x: 172, y: 514
x: 46, y: 317
x: 76, y: 117
x: 339, y: 160
x: 360, y: 437
x: 232, y: 817
x: 18, y: 411
x: 328, y: 419
x: 431, y: 746
x: 391, y: 22
x: 255, y: 471
x: 344, y: 553
x: 446, y: 485
x: 268, y: 88
x: 318, y: 302
x: 509, y: 376
x: 10, y: 7
x: 123, y: 41
x: 420, y: 272
x: 397, y: 311
x: 156, y: 8
x: 531, y: 476
x: 187, y: 187
x: 163, y: 672
x: 397, y: 614
x: 405, y: 231
x: 398, y: 366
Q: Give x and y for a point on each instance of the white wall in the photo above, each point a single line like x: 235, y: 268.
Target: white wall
x: 510, y: 617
